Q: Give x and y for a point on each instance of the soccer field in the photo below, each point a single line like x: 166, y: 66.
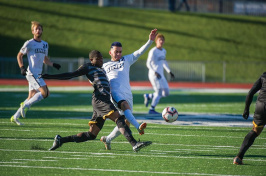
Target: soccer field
x: 176, y: 150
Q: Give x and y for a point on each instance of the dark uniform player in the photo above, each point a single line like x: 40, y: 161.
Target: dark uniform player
x: 259, y: 116
x: 102, y: 105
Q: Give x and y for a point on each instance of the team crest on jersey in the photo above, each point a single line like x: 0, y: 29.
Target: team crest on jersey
x: 40, y: 50
x: 115, y: 66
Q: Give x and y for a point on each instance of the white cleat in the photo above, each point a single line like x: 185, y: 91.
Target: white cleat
x: 13, y: 120
x: 23, y: 110
x: 106, y: 144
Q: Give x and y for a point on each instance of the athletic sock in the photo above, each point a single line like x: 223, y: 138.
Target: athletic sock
x: 125, y: 130
x: 131, y: 118
x: 248, y: 141
x: 80, y: 137
x: 114, y: 134
x: 36, y: 98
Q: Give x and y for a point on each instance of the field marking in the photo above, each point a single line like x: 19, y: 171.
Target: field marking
x: 89, y: 154
x: 115, y: 142
x: 32, y: 160
x: 113, y: 170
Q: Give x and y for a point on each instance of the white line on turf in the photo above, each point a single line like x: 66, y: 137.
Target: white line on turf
x: 112, y: 170
x: 87, y: 155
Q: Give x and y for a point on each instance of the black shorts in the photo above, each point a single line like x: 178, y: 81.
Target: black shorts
x: 260, y: 113
x: 102, y: 108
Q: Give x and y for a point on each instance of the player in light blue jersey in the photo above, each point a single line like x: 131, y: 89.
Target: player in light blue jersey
x: 37, y: 53
x: 117, y: 71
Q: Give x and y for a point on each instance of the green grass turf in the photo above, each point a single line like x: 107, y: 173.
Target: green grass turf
x: 176, y: 150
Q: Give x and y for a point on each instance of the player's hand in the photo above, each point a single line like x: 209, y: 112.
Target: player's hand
x: 158, y: 75
x: 172, y: 75
x: 57, y: 66
x: 43, y: 76
x: 153, y: 34
x: 23, y: 71
x: 245, y: 114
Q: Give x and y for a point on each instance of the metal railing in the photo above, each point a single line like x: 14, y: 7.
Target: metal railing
x: 227, y: 72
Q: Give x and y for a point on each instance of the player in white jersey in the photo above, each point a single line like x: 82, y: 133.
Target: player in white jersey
x: 37, y: 53
x: 117, y: 71
x: 156, y: 64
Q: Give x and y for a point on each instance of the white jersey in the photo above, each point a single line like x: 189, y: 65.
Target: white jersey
x: 118, y: 71
x: 36, y: 51
x: 155, y: 61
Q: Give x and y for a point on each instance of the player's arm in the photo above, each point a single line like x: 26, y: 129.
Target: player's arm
x: 255, y: 88
x: 167, y: 69
x: 47, y: 61
x: 150, y: 60
x: 68, y: 75
x: 23, y: 70
x: 140, y: 51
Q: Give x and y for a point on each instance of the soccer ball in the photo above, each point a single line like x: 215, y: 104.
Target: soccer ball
x: 170, y: 114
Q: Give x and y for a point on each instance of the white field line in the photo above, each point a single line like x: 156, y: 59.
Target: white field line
x: 87, y: 155
x: 111, y: 170
x: 32, y: 160
x: 156, y: 134
x: 115, y: 142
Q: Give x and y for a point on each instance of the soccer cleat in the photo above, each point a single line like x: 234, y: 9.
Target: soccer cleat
x: 142, y: 126
x: 106, y: 144
x: 23, y: 110
x: 237, y: 161
x: 56, y: 143
x: 146, y: 99
x: 140, y: 145
x: 151, y: 111
x: 13, y: 120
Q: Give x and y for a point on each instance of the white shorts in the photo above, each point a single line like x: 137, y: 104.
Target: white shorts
x: 35, y: 82
x: 158, y: 83
x: 118, y: 96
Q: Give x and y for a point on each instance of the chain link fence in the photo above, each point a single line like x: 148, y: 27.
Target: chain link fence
x: 227, y: 72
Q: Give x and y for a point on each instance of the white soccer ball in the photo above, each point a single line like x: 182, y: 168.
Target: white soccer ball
x: 170, y: 114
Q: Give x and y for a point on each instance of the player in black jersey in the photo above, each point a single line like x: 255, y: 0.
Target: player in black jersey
x: 102, y: 106
x: 259, y: 116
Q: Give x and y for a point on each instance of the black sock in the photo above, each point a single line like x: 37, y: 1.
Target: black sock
x: 125, y: 130
x: 248, y: 141
x: 80, y: 137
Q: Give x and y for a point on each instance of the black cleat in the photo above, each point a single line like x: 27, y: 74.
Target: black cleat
x: 140, y: 145
x: 56, y: 143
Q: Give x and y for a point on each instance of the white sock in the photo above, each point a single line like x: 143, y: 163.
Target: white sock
x: 131, y: 118
x: 17, y: 114
x: 36, y: 98
x: 114, y: 134
x: 155, y: 100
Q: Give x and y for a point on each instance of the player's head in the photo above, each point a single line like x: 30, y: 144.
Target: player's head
x: 96, y: 58
x: 116, y: 51
x: 159, y: 40
x: 36, y: 29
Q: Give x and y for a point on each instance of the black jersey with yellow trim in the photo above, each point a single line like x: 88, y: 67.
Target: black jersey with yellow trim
x: 95, y: 75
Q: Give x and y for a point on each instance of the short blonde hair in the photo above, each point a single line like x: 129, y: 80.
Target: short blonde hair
x: 159, y: 36
x: 35, y: 23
